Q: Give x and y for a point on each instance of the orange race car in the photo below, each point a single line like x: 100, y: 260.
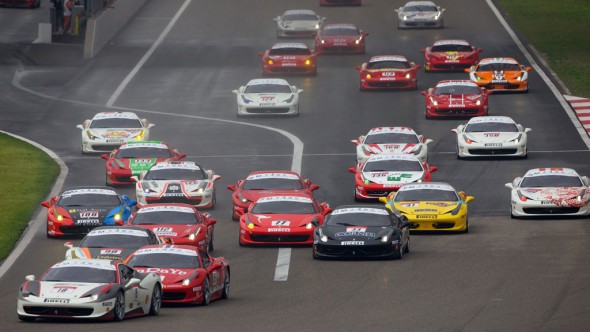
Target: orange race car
x: 500, y: 74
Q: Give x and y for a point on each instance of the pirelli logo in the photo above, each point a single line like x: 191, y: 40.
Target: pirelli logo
x: 56, y: 301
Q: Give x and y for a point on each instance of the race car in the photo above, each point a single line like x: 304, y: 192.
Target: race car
x: 89, y: 289
x: 456, y: 98
x: 106, y: 131
x: 549, y: 192
x: 189, y: 275
x: 181, y: 223
x: 132, y: 158
x: 262, y: 183
x: 491, y: 136
x: 388, y: 72
x: 353, y: 231
x: 450, y: 54
x: 113, y: 243
x: 177, y: 182
x: 434, y: 206
x: 384, y: 173
x: 340, y: 38
x: 298, y: 23
x: 420, y: 14
x: 500, y: 74
x: 77, y: 210
x: 282, y: 219
x: 288, y: 58
x: 341, y: 2
x: 391, y: 140
x: 268, y: 96
x: 20, y: 3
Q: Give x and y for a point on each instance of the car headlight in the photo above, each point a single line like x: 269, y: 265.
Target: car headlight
x: 358, y: 41
x: 385, y: 238
x: 437, y: 16
x: 405, y: 18
x: 90, y: 136
x: 468, y: 140
x: 309, y: 225
x: 418, y: 150
x: 408, y: 75
x: 242, y: 198
x: 246, y: 100
x: 94, y: 297
x: 478, y: 102
x: 307, y: 62
x: 270, y: 62
x: 456, y: 210
x: 433, y: 101
x: 193, y: 236
x: 290, y: 99
x: 322, y: 41
x: 516, y: 140
x: 317, y: 26
x: 139, y: 136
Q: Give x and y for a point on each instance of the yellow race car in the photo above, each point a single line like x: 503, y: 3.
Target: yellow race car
x: 433, y: 206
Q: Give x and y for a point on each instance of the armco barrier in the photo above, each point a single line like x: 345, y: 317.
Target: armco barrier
x: 101, y: 28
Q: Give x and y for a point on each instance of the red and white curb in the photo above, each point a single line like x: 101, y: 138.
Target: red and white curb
x: 581, y: 106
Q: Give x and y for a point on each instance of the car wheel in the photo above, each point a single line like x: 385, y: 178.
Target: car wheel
x: 399, y: 254
x: 234, y: 216
x: 26, y: 318
x: 225, y: 293
x: 315, y: 255
x: 512, y: 216
x: 407, y: 248
x: 119, y: 310
x: 210, y: 247
x: 48, y: 235
x: 156, y: 303
x: 213, y: 200
x: 466, y: 226
x: 206, y: 293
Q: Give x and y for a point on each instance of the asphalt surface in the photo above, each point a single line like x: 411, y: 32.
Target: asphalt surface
x: 508, y: 275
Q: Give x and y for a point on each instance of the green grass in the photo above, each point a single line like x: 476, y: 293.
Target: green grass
x: 560, y: 31
x: 26, y: 174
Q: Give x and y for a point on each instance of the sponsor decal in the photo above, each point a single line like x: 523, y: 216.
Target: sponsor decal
x: 352, y: 243
x: 63, y: 289
x: 426, y: 216
x: 270, y: 230
x: 111, y: 251
x: 359, y: 210
x: 88, y: 222
x: 494, y: 145
x: 409, y: 205
x: 174, y: 187
x: 88, y: 214
x: 266, y: 98
x: 107, y: 304
x: 440, y: 204
x: 163, y: 270
x: 343, y: 234
x: 356, y: 229
x: 399, y: 178
x: 281, y: 223
x: 491, y: 134
x: 56, y: 301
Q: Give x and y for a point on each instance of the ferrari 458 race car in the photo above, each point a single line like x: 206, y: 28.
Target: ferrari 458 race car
x: 282, y: 219
x: 181, y: 223
x: 106, y: 131
x: 500, y: 74
x: 177, y: 182
x: 456, y: 98
x: 450, y: 54
x: 89, y: 289
x: 420, y: 14
x: 289, y: 58
x: 189, y: 275
x: 388, y: 72
x: 80, y: 209
x: 268, y: 96
x: 353, y: 231
x: 549, y: 192
x: 491, y: 136
x: 384, y: 173
x: 263, y: 183
x: 339, y: 39
x: 434, y: 206
x: 132, y: 158
x: 391, y: 140
x: 298, y: 23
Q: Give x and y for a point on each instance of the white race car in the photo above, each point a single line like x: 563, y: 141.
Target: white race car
x: 298, y: 23
x: 268, y: 96
x: 491, y: 136
x: 391, y: 140
x: 177, y: 182
x: 420, y: 14
x: 89, y: 289
x: 550, y: 191
x: 106, y: 131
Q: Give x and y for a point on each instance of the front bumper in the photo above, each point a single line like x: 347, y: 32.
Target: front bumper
x: 420, y: 24
x: 262, y: 236
x: 532, y: 208
x: 340, y: 49
x: 373, y: 191
x: 34, y: 306
x: 454, y: 111
x: 300, y: 69
x: 491, y: 150
x: 283, y: 110
x: 437, y: 222
x: 442, y: 65
x: 378, y: 84
x: 373, y: 250
x: 509, y: 85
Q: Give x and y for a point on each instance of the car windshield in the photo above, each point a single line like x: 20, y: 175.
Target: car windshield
x: 267, y: 88
x: 165, y: 217
x: 420, y: 8
x: 551, y: 181
x: 457, y: 90
x: 175, y: 174
x: 359, y: 219
x: 272, y: 184
x: 503, y: 127
x: 122, y: 241
x: 451, y: 48
x: 426, y: 195
x: 341, y: 32
x: 165, y: 260
x: 383, y: 138
x: 289, y: 51
x: 143, y: 152
x: 300, y: 17
x: 89, y: 199
x: 116, y: 123
x: 393, y: 166
x: 499, y: 67
x: 388, y: 65
x: 283, y: 207
x: 80, y: 274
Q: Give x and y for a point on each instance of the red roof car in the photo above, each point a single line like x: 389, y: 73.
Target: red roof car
x: 454, y: 98
x: 288, y: 58
x: 340, y: 38
x: 450, y: 54
x: 388, y: 72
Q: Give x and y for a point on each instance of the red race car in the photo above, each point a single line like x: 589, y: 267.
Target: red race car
x: 20, y: 3
x: 289, y: 58
x: 132, y: 158
x: 181, y: 223
x: 282, y: 219
x: 263, y: 183
x: 189, y: 275
x: 388, y: 72
x: 340, y: 2
x: 453, y: 98
x: 450, y: 54
x: 340, y: 38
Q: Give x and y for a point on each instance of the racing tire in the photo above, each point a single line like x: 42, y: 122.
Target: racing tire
x: 399, y: 254
x: 27, y: 318
x: 234, y: 217
x: 458, y: 155
x: 225, y: 293
x: 156, y: 303
x: 315, y: 255
x: 466, y: 227
x: 407, y: 248
x: 49, y: 236
x: 213, y: 200
x: 206, y: 293
x: 210, y: 247
x: 119, y: 309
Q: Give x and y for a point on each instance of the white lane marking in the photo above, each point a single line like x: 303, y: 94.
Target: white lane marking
x: 35, y: 223
x: 283, y: 261
x: 147, y: 55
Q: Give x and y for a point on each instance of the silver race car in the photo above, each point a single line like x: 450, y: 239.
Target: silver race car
x: 268, y: 96
x: 391, y: 140
x: 298, y: 23
x: 420, y: 14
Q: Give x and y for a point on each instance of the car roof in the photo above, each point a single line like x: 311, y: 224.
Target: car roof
x: 497, y: 60
x: 289, y: 45
x: 299, y: 198
x: 299, y: 11
x: 456, y: 82
x: 175, y: 165
x: 379, y: 130
x: 164, y: 207
x: 550, y: 171
x: 491, y: 118
x: 268, y: 81
x: 112, y: 115
x: 450, y: 42
x: 426, y: 185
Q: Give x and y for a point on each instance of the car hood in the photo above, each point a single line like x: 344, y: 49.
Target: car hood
x: 419, y: 15
x: 168, y: 276
x: 492, y: 137
x: 118, y: 133
x: 299, y: 24
x: 340, y: 39
x: 563, y: 196
x: 499, y: 75
x: 354, y: 233
x: 392, y: 177
x: 171, y: 230
x: 138, y: 165
x: 67, y: 290
x: 267, y: 98
x: 392, y: 148
x: 281, y: 220
x: 88, y: 213
x: 174, y: 186
x: 426, y: 207
x: 456, y: 99
x: 254, y: 195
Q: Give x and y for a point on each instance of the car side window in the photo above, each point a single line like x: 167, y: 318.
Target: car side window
x: 125, y: 274
x: 205, y: 259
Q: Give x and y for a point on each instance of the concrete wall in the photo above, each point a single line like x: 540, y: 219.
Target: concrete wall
x: 102, y: 28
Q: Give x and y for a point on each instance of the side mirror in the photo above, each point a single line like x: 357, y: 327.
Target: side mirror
x: 104, y: 156
x: 479, y: 50
x: 80, y: 127
x: 383, y: 199
x: 357, y: 68
x: 487, y: 92
x: 299, y: 90
x: 455, y: 131
x: 69, y: 245
x: 133, y: 282
x: 151, y: 125
x: 418, y: 66
x: 181, y: 155
x: 314, y: 187
x: 260, y: 54
x: 30, y: 277
x: 352, y: 169
x: 216, y: 177
x: 231, y: 187
x: 423, y: 51
x: 134, y: 178
x: 468, y: 199
x: 234, y: 91
x: 468, y: 70
x: 211, y: 222
x: 428, y: 141
x: 528, y: 68
x: 240, y: 211
x: 432, y: 169
x: 45, y: 204
x: 509, y: 185
x: 424, y: 93
x: 527, y: 130
x: 132, y: 202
